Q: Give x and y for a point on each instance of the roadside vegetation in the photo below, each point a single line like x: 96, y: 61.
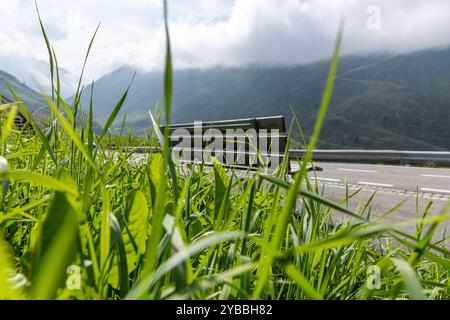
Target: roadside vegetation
x: 152, y: 229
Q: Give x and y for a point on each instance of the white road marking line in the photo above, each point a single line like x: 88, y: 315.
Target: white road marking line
x: 326, y: 179
x: 376, y: 184
x: 435, y: 190
x: 356, y: 170
x: 434, y: 176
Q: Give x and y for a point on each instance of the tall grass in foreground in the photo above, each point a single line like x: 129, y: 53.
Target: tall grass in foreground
x: 144, y: 227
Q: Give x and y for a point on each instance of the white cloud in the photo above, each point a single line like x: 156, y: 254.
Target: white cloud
x: 211, y: 32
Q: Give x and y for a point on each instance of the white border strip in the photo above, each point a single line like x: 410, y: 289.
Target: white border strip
x: 435, y: 176
x: 356, y: 170
x: 325, y: 179
x: 376, y: 184
x: 435, y: 190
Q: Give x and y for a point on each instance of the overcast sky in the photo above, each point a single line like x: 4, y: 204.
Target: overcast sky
x: 210, y: 32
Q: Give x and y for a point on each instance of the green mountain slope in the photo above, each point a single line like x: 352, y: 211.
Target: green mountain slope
x: 379, y: 102
x: 30, y: 98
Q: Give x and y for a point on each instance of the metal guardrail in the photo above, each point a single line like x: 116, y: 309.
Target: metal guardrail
x: 433, y: 158
x: 379, y: 156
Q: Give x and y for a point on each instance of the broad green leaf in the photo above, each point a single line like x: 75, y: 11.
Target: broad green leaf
x: 159, y: 203
x: 9, y: 290
x: 55, y: 248
x: 135, y: 232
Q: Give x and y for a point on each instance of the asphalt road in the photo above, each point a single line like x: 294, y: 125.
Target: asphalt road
x: 415, y: 187
x: 430, y: 181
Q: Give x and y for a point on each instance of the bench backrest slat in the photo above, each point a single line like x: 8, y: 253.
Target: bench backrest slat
x: 221, y: 125
x: 268, y: 128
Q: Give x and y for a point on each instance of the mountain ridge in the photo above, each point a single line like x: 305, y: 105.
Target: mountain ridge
x: 30, y: 98
x: 379, y: 101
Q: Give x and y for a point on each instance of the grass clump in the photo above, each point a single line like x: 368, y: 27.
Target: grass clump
x: 85, y: 222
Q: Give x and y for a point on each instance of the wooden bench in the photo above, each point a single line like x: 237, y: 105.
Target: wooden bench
x: 20, y: 120
x: 241, y: 143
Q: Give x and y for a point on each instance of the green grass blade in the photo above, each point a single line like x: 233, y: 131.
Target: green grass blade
x: 291, y: 198
x: 144, y: 285
x: 72, y: 133
x: 168, y: 82
x: 115, y: 111
x: 41, y: 180
x: 49, y: 50
x: 410, y: 278
x: 302, y: 282
x: 121, y: 254
x: 33, y: 124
